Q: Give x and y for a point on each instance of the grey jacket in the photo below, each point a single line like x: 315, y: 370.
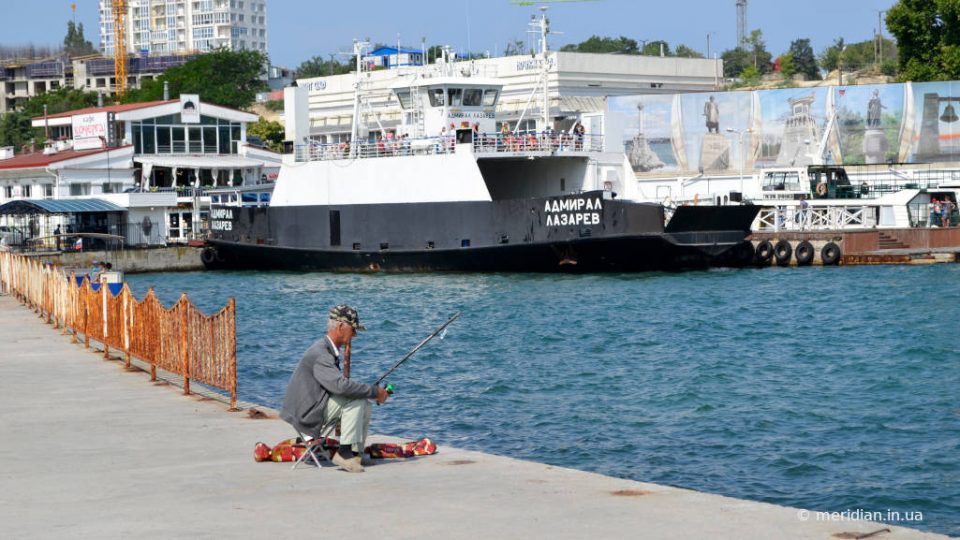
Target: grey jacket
x: 316, y: 377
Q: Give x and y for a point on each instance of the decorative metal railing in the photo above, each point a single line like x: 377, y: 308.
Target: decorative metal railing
x: 181, y: 339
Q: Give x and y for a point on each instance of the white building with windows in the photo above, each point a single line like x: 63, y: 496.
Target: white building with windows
x: 185, y: 26
x: 154, y: 161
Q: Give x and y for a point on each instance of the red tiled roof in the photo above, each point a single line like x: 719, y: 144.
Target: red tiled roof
x: 109, y: 108
x: 39, y: 159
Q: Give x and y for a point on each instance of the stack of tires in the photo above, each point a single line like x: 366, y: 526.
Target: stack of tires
x: 781, y: 253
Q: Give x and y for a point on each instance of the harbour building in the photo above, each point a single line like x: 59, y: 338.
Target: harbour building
x: 139, y: 171
x: 161, y: 27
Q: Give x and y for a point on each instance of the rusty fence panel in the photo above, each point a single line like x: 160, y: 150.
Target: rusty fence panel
x: 180, y: 339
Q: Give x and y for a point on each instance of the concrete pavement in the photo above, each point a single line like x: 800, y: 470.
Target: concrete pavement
x: 90, y: 450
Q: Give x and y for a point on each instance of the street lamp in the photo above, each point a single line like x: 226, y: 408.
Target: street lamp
x: 743, y: 153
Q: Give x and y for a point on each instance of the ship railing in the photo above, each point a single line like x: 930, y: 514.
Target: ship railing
x: 816, y: 218
x: 180, y: 340
x: 377, y: 149
x: 482, y: 143
x: 536, y: 142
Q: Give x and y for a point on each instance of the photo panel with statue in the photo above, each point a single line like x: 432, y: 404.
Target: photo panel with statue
x: 647, y: 131
x: 869, y: 123
x: 712, y: 125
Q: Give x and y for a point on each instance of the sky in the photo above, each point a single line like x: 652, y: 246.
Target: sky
x: 300, y: 29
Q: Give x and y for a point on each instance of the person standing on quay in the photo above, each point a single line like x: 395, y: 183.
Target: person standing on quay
x: 318, y: 393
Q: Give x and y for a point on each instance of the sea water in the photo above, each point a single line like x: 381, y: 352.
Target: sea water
x: 832, y: 389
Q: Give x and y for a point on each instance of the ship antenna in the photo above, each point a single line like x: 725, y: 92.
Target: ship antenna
x: 358, y: 48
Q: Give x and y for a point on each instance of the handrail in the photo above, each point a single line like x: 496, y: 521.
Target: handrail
x: 517, y: 143
x: 181, y: 339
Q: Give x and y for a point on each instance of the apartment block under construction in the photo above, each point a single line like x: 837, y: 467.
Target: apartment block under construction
x: 160, y: 27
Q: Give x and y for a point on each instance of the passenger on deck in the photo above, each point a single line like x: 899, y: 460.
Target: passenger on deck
x: 936, y: 211
x: 946, y: 211
x: 318, y: 394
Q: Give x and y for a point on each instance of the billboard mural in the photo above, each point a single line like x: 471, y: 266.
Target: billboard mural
x: 843, y: 125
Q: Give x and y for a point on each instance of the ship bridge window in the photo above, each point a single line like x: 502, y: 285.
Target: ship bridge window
x: 455, y: 97
x: 472, y: 97
x: 436, y: 97
x: 404, y: 97
x: 490, y: 98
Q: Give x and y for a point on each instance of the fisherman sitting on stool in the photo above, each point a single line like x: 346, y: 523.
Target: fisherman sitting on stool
x: 318, y: 393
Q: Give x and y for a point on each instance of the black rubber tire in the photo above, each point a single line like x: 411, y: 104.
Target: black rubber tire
x: 830, y: 254
x: 208, y: 256
x: 764, y: 252
x: 782, y: 252
x: 743, y: 253
x: 804, y: 253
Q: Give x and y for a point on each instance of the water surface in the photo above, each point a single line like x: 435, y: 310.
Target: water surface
x: 825, y: 388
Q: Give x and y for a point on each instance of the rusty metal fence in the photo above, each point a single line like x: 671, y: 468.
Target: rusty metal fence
x: 180, y: 339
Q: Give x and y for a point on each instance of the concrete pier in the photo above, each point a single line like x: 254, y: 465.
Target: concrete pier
x: 90, y: 450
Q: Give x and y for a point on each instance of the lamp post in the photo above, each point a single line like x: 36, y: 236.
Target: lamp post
x: 743, y: 153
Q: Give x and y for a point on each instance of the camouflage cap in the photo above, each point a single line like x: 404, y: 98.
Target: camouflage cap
x: 346, y: 314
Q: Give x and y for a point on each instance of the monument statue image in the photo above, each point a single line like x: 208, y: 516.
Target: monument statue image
x: 715, y: 149
x: 875, y: 144
x: 642, y: 157
x: 874, y: 109
x: 712, y: 111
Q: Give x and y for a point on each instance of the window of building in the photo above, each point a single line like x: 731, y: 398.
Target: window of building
x: 79, y: 189
x: 8, y: 192
x: 48, y: 191
x: 27, y: 191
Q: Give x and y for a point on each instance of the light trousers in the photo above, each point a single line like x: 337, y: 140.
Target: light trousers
x: 354, y: 415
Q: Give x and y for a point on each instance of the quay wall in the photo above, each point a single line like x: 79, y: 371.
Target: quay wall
x: 134, y: 261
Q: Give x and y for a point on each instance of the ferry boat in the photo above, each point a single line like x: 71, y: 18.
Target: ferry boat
x: 449, y: 191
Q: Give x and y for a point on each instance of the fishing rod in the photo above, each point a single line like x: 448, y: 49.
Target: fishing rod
x: 415, y: 349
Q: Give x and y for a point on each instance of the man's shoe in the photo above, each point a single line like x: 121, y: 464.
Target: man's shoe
x: 350, y: 465
x: 366, y: 460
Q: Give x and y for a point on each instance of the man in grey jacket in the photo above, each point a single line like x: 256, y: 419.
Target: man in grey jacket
x: 319, y: 394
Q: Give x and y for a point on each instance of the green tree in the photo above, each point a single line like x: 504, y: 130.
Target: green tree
x: 762, y: 59
x: 224, y: 77
x: 16, y: 130
x: 514, y: 48
x: 686, y: 52
x: 735, y: 61
x: 652, y: 48
x: 788, y: 67
x: 928, y: 38
x: 58, y: 101
x: 318, y: 67
x: 804, y: 61
x: 271, y: 133
x: 74, y: 43
x: 858, y: 56
x: 597, y: 44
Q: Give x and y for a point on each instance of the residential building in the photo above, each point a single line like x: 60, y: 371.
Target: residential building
x: 162, y: 27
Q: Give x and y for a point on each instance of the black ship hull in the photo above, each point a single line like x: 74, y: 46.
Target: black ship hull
x: 579, y: 233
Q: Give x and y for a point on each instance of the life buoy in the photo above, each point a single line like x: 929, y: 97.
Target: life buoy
x: 822, y: 189
x: 804, y: 253
x: 782, y: 252
x: 764, y: 252
x: 208, y: 256
x: 830, y: 254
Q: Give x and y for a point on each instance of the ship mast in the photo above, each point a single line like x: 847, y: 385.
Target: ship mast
x: 544, y: 27
x: 358, y: 48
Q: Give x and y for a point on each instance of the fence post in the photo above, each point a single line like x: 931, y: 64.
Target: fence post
x: 86, y: 318
x: 106, y: 330
x: 125, y: 291
x: 184, y: 353
x: 232, y: 348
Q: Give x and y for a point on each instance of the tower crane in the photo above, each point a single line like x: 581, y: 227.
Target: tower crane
x: 120, y: 46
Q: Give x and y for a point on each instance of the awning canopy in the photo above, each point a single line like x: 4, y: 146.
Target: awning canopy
x: 64, y: 206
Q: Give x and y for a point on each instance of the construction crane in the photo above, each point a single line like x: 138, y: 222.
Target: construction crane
x: 741, y: 22
x: 120, y: 46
